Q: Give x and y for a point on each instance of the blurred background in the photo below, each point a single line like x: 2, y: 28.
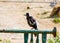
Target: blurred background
x: 12, y: 17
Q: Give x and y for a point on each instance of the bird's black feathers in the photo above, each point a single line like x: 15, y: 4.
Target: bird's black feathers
x: 31, y: 22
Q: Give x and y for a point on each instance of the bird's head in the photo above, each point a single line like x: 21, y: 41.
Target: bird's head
x: 27, y: 15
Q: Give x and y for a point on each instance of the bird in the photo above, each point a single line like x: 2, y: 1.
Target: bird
x: 31, y: 22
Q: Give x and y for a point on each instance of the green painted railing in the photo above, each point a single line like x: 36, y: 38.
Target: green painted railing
x: 26, y: 33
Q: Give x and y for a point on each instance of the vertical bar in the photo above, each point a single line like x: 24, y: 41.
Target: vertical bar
x: 37, y: 40
x: 31, y: 40
x: 44, y: 37
x: 25, y: 37
x: 54, y: 32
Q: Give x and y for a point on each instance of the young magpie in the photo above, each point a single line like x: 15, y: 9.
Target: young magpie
x: 31, y: 22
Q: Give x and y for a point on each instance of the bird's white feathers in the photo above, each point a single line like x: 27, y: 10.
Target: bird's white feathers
x: 37, y: 24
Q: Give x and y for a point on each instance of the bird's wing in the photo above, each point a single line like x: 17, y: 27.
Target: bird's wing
x: 32, y: 21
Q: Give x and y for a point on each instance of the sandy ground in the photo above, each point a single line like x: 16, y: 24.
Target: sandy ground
x: 12, y: 17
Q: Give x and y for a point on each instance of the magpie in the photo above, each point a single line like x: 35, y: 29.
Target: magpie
x: 31, y: 22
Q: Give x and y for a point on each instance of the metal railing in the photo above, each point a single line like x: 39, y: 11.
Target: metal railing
x: 27, y: 32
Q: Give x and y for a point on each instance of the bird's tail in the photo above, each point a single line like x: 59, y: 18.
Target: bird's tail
x: 35, y: 34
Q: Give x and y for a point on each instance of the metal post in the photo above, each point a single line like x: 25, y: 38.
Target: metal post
x: 37, y: 40
x: 31, y: 41
x: 44, y: 38
x: 54, y: 32
x: 25, y: 37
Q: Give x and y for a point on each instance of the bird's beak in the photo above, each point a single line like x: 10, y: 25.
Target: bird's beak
x: 24, y: 15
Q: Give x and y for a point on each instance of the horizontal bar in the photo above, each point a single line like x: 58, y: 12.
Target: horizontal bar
x: 25, y: 31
